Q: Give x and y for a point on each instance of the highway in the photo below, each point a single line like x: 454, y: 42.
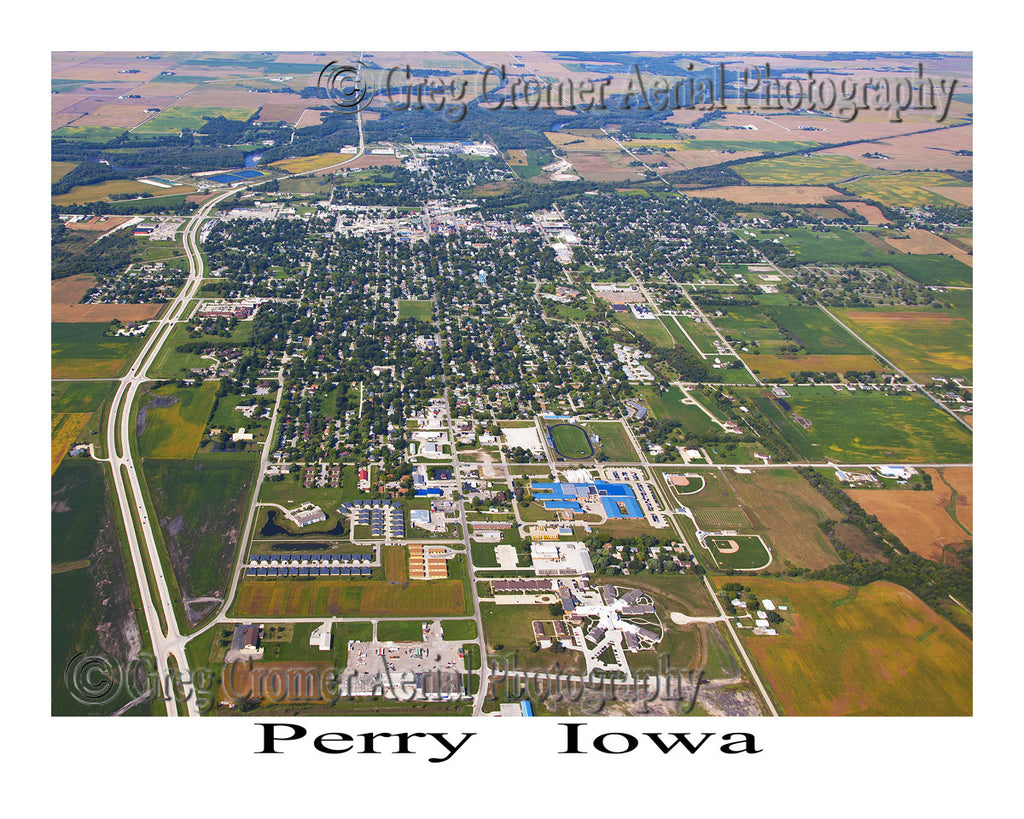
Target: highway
x: 157, y: 600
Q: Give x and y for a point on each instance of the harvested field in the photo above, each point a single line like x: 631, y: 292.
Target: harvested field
x: 67, y: 292
x: 373, y: 161
x: 58, y: 170
x: 308, y: 117
x: 936, y: 149
x: 918, y: 241
x: 873, y: 650
x: 98, y: 223
x: 278, y: 682
x: 310, y: 163
x: 961, y: 195
x: 869, y: 212
x: 781, y: 194
x: 918, y: 518
x: 605, y: 167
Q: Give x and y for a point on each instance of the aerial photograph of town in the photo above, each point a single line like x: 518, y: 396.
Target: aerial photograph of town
x: 570, y: 384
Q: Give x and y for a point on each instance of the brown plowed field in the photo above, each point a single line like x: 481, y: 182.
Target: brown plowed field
x: 782, y: 194
x: 919, y: 519
x: 67, y: 292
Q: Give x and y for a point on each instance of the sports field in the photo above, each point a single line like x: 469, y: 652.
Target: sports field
x: 416, y: 308
x: 866, y: 427
x: 742, y: 552
x: 615, y: 443
x: 571, y: 441
x: 874, y: 650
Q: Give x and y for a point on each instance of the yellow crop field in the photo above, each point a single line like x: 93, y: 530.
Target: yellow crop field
x: 64, y: 428
x: 869, y: 650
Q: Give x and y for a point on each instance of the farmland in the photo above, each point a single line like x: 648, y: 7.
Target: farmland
x: 173, y: 120
x: 919, y: 519
x: 81, y: 350
x: 921, y: 342
x: 874, y: 650
x: 867, y: 426
x: 817, y: 169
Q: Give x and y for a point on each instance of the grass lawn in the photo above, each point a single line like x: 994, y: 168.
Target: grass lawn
x: 670, y: 406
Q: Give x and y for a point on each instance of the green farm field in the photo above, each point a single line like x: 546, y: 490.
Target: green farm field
x: 920, y: 341
x: 816, y: 332
x: 80, y: 350
x: 873, y: 650
x: 175, y: 420
x: 866, y: 427
x: 817, y: 169
x: 906, y: 189
x: 173, y: 120
x: 651, y: 329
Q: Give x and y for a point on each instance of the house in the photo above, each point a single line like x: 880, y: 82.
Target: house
x: 246, y: 639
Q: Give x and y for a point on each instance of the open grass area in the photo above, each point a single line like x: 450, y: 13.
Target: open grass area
x: 348, y: 597
x: 672, y: 405
x: 89, y: 595
x: 102, y: 191
x: 169, y: 363
x: 651, y: 329
x: 782, y: 505
x: 200, y: 506
x: 171, y: 420
x: 80, y: 350
x: 866, y: 427
x: 409, y: 631
x: 874, y: 650
x: 508, y: 631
